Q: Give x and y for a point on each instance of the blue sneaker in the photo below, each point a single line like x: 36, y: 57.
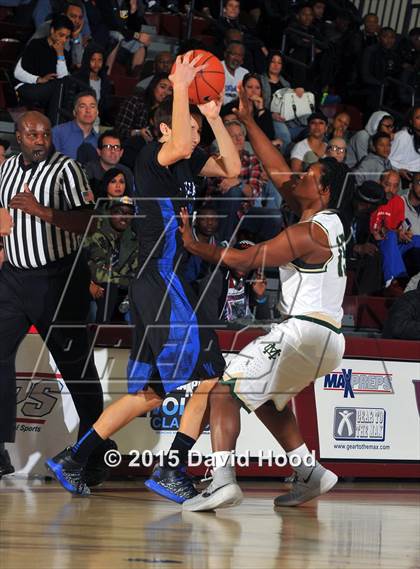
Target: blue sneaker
x: 68, y: 472
x: 172, y: 483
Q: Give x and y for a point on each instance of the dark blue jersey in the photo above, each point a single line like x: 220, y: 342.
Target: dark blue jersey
x: 163, y: 192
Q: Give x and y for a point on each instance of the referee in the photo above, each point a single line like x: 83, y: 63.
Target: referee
x: 44, y: 192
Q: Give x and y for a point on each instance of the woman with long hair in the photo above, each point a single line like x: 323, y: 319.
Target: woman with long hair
x: 273, y: 81
x: 133, y: 122
x: 133, y: 119
x: 253, y: 90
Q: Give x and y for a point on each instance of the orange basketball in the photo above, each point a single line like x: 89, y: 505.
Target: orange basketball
x: 208, y: 83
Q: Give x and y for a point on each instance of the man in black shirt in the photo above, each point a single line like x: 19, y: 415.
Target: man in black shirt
x: 172, y: 344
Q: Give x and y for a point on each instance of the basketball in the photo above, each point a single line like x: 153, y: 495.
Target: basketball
x: 209, y: 83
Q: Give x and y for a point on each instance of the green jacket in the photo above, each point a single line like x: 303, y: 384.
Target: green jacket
x: 112, y: 257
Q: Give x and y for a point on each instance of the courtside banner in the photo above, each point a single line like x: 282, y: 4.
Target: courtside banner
x: 369, y: 410
x: 46, y: 420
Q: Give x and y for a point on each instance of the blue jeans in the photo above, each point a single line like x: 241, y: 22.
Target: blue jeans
x: 282, y: 132
x: 392, y: 255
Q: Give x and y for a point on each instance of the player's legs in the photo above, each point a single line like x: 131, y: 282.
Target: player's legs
x: 276, y: 366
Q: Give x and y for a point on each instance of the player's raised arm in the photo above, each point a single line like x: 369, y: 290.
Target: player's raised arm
x: 228, y: 163
x: 272, y: 160
x: 178, y: 140
x: 295, y: 242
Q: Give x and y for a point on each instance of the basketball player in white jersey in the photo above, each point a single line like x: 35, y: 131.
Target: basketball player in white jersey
x: 306, y: 345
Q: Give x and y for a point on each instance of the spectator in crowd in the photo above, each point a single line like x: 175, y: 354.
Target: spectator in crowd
x: 358, y: 147
x: 393, y: 235
x: 336, y: 148
x: 113, y: 185
x: 379, y: 62
x: 369, y: 34
x: 252, y: 43
x: 317, y: 123
x: 91, y: 76
x: 318, y: 8
x: 363, y: 256
x: 248, y: 185
x: 403, y: 322
x: 109, y: 153
x: 80, y: 36
x: 412, y: 204
x: 339, y: 126
x: 252, y: 86
x: 124, y: 22
x: 112, y: 253
x: 134, y: 120
x: 410, y: 49
x: 272, y: 81
x: 405, y: 152
x: 377, y: 160
x: 4, y: 147
x: 204, y: 229
x: 43, y: 62
x: 162, y: 64
x: 243, y: 295
x: 234, y: 73
x: 70, y: 136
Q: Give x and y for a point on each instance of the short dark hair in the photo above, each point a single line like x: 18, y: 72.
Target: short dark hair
x: 77, y: 3
x: 112, y: 133
x: 414, y: 32
x: 88, y: 93
x: 164, y: 113
x: 234, y: 42
x: 387, y: 29
x: 59, y: 21
x: 377, y: 136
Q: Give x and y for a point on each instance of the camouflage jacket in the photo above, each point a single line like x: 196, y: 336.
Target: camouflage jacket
x: 112, y: 258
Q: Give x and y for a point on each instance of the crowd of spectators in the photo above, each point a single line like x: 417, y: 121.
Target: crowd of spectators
x: 320, y: 66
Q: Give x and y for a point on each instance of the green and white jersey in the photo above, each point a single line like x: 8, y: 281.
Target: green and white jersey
x: 308, y: 288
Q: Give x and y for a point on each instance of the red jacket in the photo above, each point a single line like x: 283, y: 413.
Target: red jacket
x: 389, y: 215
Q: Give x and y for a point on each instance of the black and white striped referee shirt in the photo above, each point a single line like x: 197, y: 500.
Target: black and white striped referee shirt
x: 57, y: 182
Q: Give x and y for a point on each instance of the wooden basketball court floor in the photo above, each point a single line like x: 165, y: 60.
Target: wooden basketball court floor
x: 359, y: 525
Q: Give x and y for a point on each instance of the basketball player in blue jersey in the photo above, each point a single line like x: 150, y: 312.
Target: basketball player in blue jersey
x: 172, y: 343
x: 308, y: 344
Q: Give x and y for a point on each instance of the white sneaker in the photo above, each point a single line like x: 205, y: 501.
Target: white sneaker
x: 215, y: 497
x: 319, y: 481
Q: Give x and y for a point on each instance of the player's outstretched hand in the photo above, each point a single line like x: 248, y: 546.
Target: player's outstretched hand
x: 186, y: 69
x: 244, y: 112
x: 185, y: 228
x: 211, y: 110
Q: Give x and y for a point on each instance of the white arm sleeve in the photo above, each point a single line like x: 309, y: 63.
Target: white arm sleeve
x: 22, y: 75
x: 61, y: 68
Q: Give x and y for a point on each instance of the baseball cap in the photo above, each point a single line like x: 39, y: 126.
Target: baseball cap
x: 371, y: 192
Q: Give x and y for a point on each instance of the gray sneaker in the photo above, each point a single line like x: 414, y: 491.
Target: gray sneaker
x: 319, y: 481
x: 222, y: 492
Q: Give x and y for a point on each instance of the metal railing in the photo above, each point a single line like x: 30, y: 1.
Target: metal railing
x: 402, y: 15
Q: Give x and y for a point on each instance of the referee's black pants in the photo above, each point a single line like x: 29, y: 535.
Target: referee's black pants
x: 32, y: 296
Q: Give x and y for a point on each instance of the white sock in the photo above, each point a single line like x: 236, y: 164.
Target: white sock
x: 307, y: 461
x: 221, y: 458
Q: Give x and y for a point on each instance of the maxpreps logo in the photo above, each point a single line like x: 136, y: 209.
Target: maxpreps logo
x: 358, y: 382
x: 359, y: 424
x: 167, y: 417
x: 37, y: 395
